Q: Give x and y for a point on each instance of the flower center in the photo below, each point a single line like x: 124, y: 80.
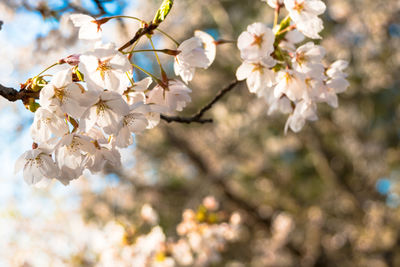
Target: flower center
x: 258, y: 39
x: 300, y: 58
x: 288, y: 77
x: 298, y: 6
x: 103, y: 67
x: 258, y: 67
x: 75, y: 145
x: 101, y: 107
x: 59, y: 93
x: 308, y: 81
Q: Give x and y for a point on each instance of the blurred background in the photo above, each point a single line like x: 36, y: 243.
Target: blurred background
x: 327, y: 196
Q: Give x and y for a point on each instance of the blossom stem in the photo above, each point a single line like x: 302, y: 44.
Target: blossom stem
x: 163, y: 74
x: 276, y: 14
x: 46, y: 69
x: 168, y: 36
x: 146, y: 72
x: 73, y: 122
x: 222, y: 41
x: 133, y: 48
x: 127, y: 17
x: 287, y: 29
x: 166, y: 51
x: 130, y: 79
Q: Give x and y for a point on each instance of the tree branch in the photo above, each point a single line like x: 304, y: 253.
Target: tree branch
x: 100, y: 7
x: 13, y: 95
x: 148, y: 29
x: 198, y: 116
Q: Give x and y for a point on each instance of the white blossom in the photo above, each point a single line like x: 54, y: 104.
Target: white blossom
x: 71, y: 155
x: 196, y: 52
x: 103, y: 154
x: 37, y: 164
x: 153, y: 116
x: 308, y: 60
x: 148, y: 214
x: 134, y: 122
x: 174, y: 97
x: 304, y: 14
x: 136, y: 93
x: 182, y: 253
x: 146, y: 247
x: 208, y: 42
x: 62, y: 92
x: 47, y: 123
x: 290, y: 83
x: 273, y: 3
x: 281, y: 104
x: 257, y: 42
x: 105, y: 68
x: 290, y: 40
x: 107, y: 110
x: 89, y: 28
x: 305, y: 110
x: 259, y: 77
x: 336, y: 83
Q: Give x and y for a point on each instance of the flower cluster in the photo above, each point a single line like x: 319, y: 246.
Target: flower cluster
x: 288, y: 73
x: 203, y: 235
x: 90, y: 109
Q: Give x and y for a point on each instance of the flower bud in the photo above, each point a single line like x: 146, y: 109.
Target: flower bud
x: 72, y: 60
x: 31, y: 105
x: 37, y: 83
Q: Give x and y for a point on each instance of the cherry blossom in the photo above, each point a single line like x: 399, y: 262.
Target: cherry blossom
x: 257, y: 42
x: 134, y: 122
x: 304, y: 14
x: 62, y: 92
x: 91, y: 109
x: 148, y: 214
x: 337, y: 82
x: 107, y: 110
x: 304, y: 111
x: 71, y: 155
x: 308, y: 60
x: 103, y: 154
x: 259, y: 77
x: 274, y: 3
x: 37, y: 164
x: 291, y: 84
x: 209, y: 45
x: 105, y: 68
x: 290, y: 40
x: 47, y: 122
x: 89, y: 27
x: 136, y: 93
x: 196, y: 52
x: 174, y: 97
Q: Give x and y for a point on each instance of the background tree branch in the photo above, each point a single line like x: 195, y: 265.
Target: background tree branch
x: 198, y: 117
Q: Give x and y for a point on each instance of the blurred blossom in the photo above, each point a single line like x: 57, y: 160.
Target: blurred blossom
x: 148, y: 214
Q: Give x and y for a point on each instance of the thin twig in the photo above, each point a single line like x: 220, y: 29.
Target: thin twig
x: 100, y: 7
x: 198, y: 117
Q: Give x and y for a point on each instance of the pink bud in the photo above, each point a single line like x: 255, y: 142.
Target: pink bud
x: 72, y: 60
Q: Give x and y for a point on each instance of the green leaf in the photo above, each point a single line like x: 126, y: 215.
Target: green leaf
x: 163, y: 11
